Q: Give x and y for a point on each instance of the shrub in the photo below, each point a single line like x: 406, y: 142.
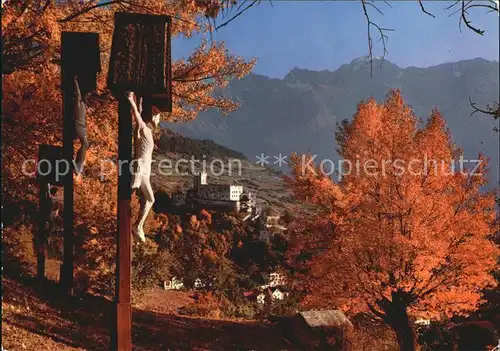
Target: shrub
x: 204, y: 305
x: 370, y: 335
x: 17, y: 247
x: 150, y: 266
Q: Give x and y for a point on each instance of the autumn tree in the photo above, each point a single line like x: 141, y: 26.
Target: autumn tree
x: 406, y: 231
x: 32, y: 103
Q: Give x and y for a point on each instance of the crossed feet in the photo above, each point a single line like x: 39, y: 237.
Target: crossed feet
x: 139, y: 234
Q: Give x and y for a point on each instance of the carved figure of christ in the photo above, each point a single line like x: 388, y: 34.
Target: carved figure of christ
x: 143, y: 156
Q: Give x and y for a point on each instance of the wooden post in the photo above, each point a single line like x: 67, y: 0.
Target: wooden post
x: 123, y: 327
x: 42, y: 234
x: 66, y: 277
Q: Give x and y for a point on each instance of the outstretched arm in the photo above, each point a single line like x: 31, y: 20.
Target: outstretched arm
x: 139, y: 99
x: 135, y: 110
x: 78, y: 94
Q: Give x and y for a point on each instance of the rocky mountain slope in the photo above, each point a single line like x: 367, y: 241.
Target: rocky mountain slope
x: 300, y: 112
x: 175, y: 142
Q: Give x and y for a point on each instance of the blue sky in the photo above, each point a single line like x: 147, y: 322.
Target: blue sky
x: 324, y: 35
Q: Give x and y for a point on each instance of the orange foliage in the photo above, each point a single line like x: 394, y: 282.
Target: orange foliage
x: 32, y: 105
x: 178, y: 229
x: 207, y: 217
x: 419, y: 237
x: 210, y: 256
x: 194, y: 223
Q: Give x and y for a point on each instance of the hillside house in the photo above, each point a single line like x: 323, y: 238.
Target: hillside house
x: 317, y: 329
x: 248, y: 201
x: 324, y: 318
x: 220, y: 196
x: 274, y: 279
x: 173, y: 284
x: 200, y: 284
x: 277, y: 279
x: 261, y: 295
x: 279, y: 294
x: 269, y: 226
x: 422, y: 321
x: 177, y: 284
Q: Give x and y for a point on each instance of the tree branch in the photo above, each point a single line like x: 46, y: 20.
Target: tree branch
x: 377, y: 313
x: 491, y: 5
x: 492, y: 111
x: 381, y: 31
x: 424, y: 10
x: 468, y: 24
x: 88, y: 9
x: 194, y: 79
x: 194, y: 101
x: 239, y: 13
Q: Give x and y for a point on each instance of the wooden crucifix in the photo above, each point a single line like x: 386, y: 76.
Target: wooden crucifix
x: 48, y: 158
x: 80, y: 57
x: 139, y: 62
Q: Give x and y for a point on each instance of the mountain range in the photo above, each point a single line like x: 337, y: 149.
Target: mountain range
x: 177, y: 143
x: 300, y: 112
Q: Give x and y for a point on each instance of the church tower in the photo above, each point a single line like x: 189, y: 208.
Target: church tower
x: 199, y: 180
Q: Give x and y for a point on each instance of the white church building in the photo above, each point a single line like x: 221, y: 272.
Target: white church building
x: 216, y: 195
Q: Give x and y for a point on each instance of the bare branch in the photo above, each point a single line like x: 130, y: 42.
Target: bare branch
x: 490, y: 110
x: 388, y: 4
x: 239, y: 13
x: 86, y: 9
x: 466, y: 20
x: 383, y: 37
x: 375, y: 7
x: 484, y: 6
x: 424, y: 10
x: 464, y: 8
x: 452, y: 5
x: 382, y: 316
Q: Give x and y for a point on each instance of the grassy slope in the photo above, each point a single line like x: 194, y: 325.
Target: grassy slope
x: 43, y: 320
x: 36, y: 318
